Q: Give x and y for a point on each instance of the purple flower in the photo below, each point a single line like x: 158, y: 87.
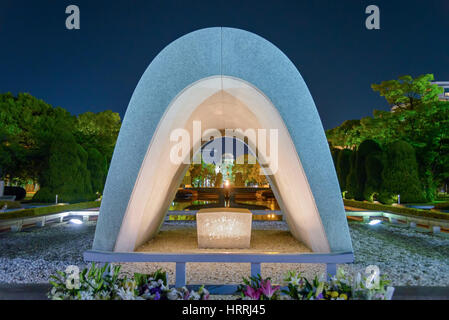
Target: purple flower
x: 157, y: 296
x: 267, y: 289
x: 155, y: 290
x: 252, y: 293
x: 320, y: 296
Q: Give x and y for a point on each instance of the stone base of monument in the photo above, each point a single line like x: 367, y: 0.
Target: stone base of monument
x: 224, y: 228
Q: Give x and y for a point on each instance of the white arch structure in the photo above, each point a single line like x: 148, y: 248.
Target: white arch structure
x: 227, y: 79
x: 219, y: 103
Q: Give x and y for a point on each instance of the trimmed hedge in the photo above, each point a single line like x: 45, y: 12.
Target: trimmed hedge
x: 400, y: 210
x: 442, y: 205
x: 400, y: 174
x: 42, y: 211
x: 11, y: 204
x: 343, y: 166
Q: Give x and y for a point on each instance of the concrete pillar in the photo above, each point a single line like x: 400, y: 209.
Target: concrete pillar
x: 393, y: 220
x: 436, y: 229
x: 41, y: 223
x: 180, y: 280
x: 255, y: 269
x: 16, y: 227
x: 331, y: 270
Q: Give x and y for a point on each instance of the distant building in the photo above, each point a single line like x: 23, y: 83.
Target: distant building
x: 445, y: 85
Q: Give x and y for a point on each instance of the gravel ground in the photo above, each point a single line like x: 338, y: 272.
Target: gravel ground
x: 34, y: 254
x: 406, y: 256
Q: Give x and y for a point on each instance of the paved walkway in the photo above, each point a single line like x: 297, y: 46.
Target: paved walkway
x: 39, y: 292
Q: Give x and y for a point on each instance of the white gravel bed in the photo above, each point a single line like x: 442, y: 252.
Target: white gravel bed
x: 406, y: 256
x: 34, y: 254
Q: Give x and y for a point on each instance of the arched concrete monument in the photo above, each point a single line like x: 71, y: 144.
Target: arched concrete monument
x: 225, y: 78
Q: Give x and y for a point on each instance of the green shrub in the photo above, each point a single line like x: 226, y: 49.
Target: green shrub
x: 343, y: 167
x: 373, y: 183
x: 42, y: 211
x: 10, y: 204
x: 387, y: 198
x: 334, y: 153
x: 442, y: 206
x: 98, y: 168
x: 351, y: 179
x: 397, y: 209
x: 442, y: 196
x: 400, y: 174
x: 65, y: 173
x: 367, y: 149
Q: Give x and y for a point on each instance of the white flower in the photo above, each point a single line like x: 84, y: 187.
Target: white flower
x: 86, y: 295
x: 173, y: 294
x: 194, y: 295
x: 340, y: 273
x: 56, y: 295
x: 205, y: 292
x: 294, y: 280
x: 126, y: 294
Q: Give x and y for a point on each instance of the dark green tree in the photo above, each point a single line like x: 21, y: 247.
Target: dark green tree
x: 418, y: 118
x: 98, y: 130
x: 65, y: 173
x: 343, y: 167
x: 373, y: 183
x: 367, y: 149
x: 351, y: 180
x: 98, y: 169
x: 400, y: 174
x: 408, y: 92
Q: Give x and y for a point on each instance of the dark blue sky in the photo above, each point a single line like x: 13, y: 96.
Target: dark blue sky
x: 97, y: 68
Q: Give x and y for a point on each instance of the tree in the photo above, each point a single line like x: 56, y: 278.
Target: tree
x: 98, y: 130
x: 98, y: 168
x: 5, y: 153
x: 239, y: 182
x: 351, y: 180
x: 195, y: 174
x: 334, y: 152
x: 30, y: 129
x: 65, y: 173
x: 418, y: 119
x: 400, y: 174
x: 218, y: 180
x: 251, y: 172
x: 343, y: 167
x: 345, y: 135
x: 373, y: 183
x: 367, y: 149
x: 408, y: 92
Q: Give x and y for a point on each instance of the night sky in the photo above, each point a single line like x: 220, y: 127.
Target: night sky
x: 97, y: 67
